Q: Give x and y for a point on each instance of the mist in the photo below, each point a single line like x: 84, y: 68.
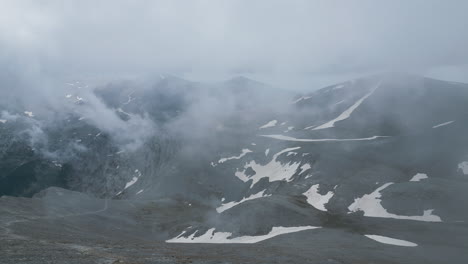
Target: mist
x: 295, y: 45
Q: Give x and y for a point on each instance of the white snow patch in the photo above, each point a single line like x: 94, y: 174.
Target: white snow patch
x: 213, y: 237
x: 274, y: 170
x: 371, y: 205
x: 282, y: 124
x: 347, y: 113
x: 253, y: 144
x: 463, y: 167
x: 229, y: 205
x: 418, y: 177
x: 291, y: 153
x: 339, y: 86
x: 289, y: 129
x: 244, y: 152
x: 120, y: 110
x: 28, y: 113
x: 68, y: 96
x: 286, y: 138
x: 301, y: 98
x: 267, y: 151
x: 131, y: 182
x: 140, y: 191
x: 304, y: 167
x: 391, y: 241
x: 317, y: 200
x: 3, y: 121
x: 272, y: 123
x: 57, y: 164
x: 443, y: 124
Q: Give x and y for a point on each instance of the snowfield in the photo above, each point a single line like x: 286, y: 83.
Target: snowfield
x: 274, y: 170
x: 229, y: 205
x: 347, y: 113
x: 443, y: 124
x: 419, y: 177
x: 244, y: 152
x: 463, y: 167
x: 391, y: 241
x: 212, y: 237
x: 272, y: 123
x: 317, y: 200
x: 286, y: 138
x: 371, y: 205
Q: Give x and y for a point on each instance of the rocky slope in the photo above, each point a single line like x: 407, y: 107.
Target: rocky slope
x: 368, y: 171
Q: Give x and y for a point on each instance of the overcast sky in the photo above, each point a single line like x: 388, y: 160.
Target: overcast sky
x: 287, y: 43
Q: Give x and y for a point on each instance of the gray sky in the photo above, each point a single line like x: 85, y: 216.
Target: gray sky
x: 289, y: 43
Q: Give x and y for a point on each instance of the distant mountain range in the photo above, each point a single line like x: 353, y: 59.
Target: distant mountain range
x: 245, y: 162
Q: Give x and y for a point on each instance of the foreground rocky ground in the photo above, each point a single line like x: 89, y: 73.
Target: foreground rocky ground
x: 81, y: 229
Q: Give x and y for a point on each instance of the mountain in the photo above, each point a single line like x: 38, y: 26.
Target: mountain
x: 370, y: 170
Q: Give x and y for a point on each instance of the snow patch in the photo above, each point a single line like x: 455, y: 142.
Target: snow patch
x: 272, y: 123
x: 286, y: 138
x: 371, y: 205
x: 463, y: 167
x: 304, y: 167
x: 120, y: 110
x: 443, y: 124
x: 267, y: 151
x: 244, y: 152
x: 3, y: 121
x: 213, y: 237
x: 229, y: 205
x: 301, y: 99
x: 289, y: 129
x: 418, y: 177
x: 28, y: 113
x: 140, y: 191
x: 131, y: 182
x: 274, y: 170
x: 391, y: 241
x: 347, y: 113
x: 339, y: 86
x: 317, y: 200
